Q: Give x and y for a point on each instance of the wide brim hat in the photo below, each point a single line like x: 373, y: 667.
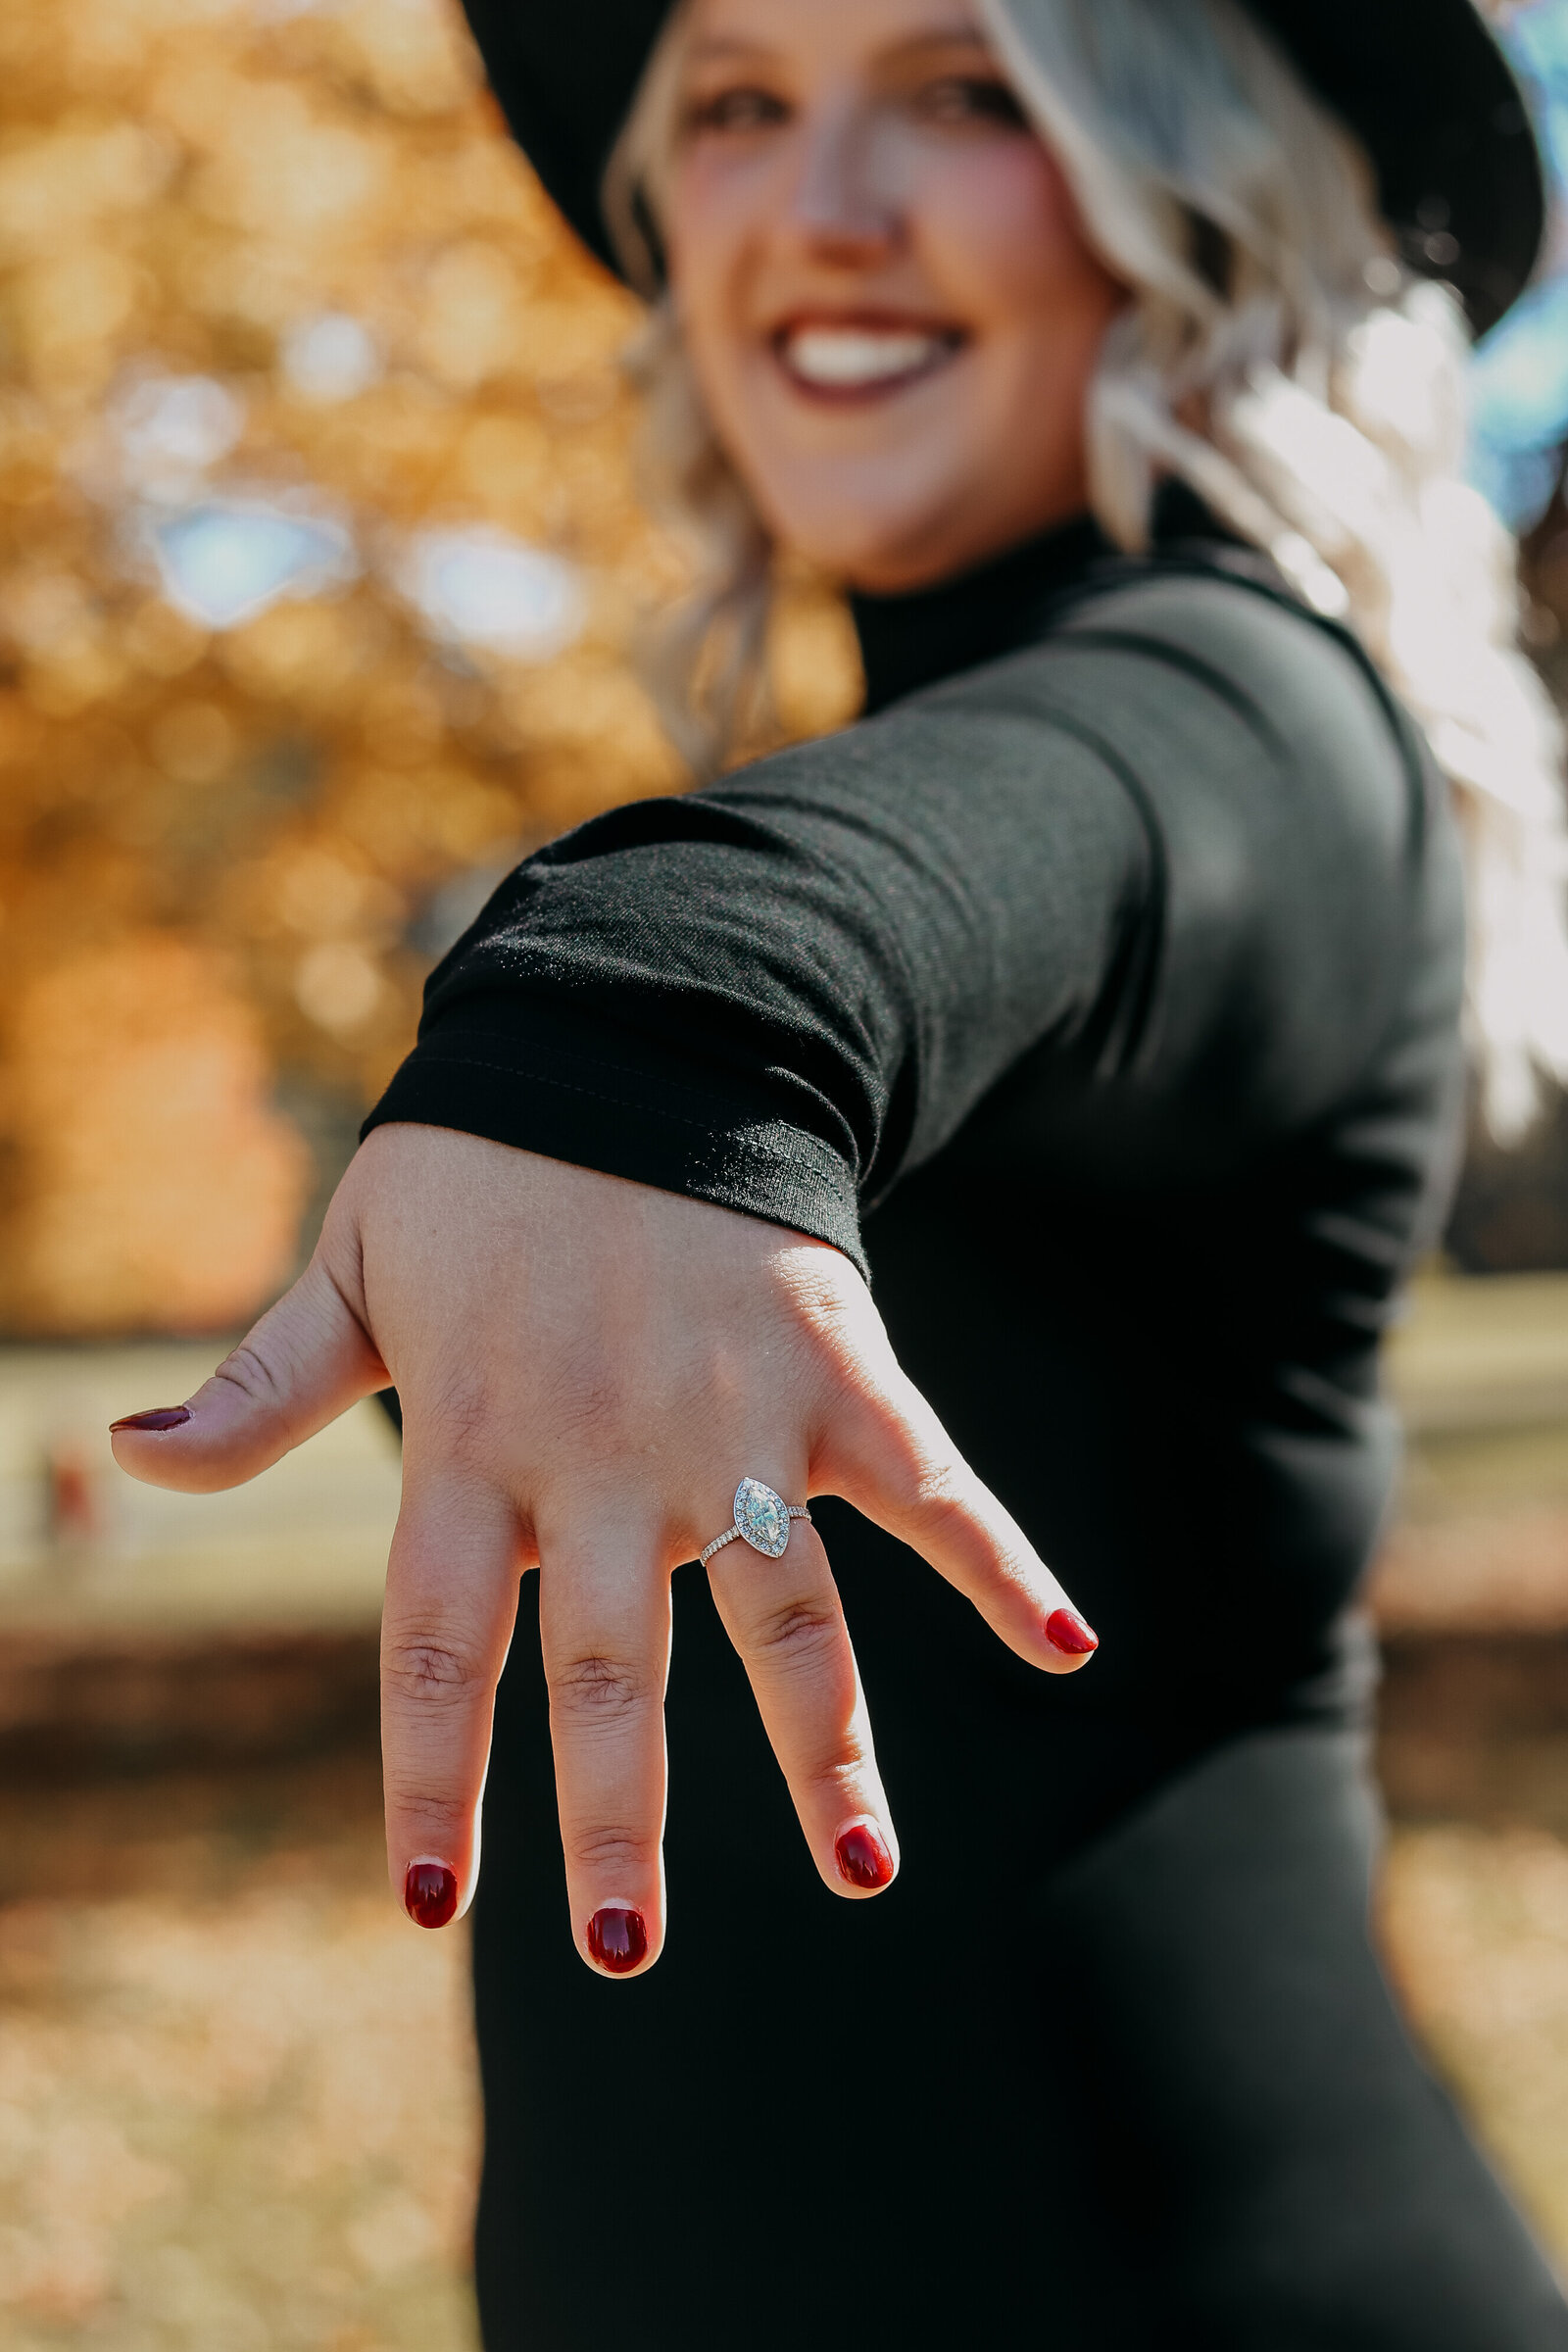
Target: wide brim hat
x: 1422, y: 83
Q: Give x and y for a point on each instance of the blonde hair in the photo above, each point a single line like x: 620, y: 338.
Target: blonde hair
x: 1275, y: 358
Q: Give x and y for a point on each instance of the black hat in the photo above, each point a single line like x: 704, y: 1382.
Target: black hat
x: 1421, y: 83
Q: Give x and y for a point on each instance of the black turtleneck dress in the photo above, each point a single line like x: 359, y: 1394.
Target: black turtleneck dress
x: 1098, y: 993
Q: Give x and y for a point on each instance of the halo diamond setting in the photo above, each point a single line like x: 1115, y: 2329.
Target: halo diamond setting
x: 762, y: 1517
x: 761, y: 1521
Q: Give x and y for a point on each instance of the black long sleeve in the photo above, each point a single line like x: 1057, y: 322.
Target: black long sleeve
x: 1099, y: 997
x: 1171, y: 859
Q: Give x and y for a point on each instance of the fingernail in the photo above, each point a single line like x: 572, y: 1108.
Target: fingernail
x: 429, y: 1893
x: 1065, y: 1629
x: 862, y: 1856
x: 160, y: 1416
x: 617, y: 1939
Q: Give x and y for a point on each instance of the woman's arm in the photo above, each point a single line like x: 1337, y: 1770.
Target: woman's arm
x: 1170, y: 851
x: 779, y: 993
x: 771, y: 999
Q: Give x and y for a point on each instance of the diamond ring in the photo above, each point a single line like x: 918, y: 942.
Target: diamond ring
x: 762, y: 1520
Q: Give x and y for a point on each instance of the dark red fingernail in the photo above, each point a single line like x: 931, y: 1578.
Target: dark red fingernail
x: 429, y: 1893
x: 617, y: 1939
x: 160, y: 1416
x: 1066, y: 1630
x: 863, y: 1857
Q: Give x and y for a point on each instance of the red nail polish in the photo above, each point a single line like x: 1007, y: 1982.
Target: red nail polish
x: 161, y: 1416
x: 863, y: 1857
x: 617, y: 1939
x: 1065, y: 1629
x: 429, y: 1893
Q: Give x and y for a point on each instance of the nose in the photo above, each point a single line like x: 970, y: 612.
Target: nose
x: 838, y: 208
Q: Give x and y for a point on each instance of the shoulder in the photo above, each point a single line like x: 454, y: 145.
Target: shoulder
x: 1198, y: 680
x: 1303, y: 681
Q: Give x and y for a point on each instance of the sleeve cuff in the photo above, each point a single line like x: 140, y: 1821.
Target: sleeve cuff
x: 650, y: 1126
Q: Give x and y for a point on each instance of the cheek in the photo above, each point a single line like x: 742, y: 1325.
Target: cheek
x: 711, y: 237
x: 1003, y: 232
x: 696, y: 247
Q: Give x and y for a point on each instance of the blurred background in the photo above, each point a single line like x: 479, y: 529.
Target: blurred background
x: 322, y: 576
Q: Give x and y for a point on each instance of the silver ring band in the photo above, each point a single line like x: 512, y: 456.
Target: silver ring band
x: 761, y: 1521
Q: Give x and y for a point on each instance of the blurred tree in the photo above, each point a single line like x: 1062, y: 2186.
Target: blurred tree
x: 319, y: 558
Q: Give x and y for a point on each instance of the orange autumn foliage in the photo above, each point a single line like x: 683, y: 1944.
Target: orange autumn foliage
x: 280, y: 255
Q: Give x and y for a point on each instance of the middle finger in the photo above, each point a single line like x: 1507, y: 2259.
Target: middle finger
x: 604, y: 1622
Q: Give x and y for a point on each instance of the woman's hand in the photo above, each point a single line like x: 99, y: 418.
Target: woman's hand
x: 587, y: 1368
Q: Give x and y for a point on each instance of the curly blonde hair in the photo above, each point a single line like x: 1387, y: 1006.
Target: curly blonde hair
x: 1274, y: 357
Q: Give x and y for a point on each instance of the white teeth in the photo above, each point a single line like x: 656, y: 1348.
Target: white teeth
x: 847, y: 356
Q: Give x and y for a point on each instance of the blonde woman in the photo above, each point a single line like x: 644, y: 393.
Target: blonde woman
x: 1092, y: 1007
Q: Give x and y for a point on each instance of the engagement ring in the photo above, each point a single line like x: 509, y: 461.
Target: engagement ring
x: 762, y: 1520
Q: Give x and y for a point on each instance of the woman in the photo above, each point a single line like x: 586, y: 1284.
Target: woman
x: 1098, y: 993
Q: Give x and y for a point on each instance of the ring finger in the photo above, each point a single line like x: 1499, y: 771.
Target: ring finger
x: 786, y: 1621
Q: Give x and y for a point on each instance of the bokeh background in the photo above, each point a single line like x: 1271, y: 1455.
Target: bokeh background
x: 322, y: 574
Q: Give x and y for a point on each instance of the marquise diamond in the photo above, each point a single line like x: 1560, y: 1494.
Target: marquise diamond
x: 762, y: 1517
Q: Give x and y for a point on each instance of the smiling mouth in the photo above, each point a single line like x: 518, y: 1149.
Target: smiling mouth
x: 860, y: 360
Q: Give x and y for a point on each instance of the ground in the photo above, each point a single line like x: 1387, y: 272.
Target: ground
x: 238, y: 2110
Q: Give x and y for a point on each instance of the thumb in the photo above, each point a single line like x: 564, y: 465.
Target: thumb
x: 307, y: 1360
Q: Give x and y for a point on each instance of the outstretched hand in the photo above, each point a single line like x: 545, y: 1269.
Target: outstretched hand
x: 587, y: 1367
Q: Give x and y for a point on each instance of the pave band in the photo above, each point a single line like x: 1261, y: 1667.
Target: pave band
x: 762, y: 1520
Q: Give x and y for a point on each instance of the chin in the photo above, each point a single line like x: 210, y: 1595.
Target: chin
x: 877, y: 545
